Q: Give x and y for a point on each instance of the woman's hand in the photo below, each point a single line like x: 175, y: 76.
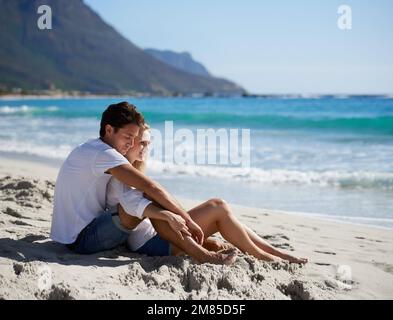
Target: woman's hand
x: 196, y: 231
x: 178, y: 224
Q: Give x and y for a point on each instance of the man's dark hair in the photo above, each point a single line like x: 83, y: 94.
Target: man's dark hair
x: 119, y: 115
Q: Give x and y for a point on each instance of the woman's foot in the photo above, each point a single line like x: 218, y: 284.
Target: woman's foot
x: 293, y: 259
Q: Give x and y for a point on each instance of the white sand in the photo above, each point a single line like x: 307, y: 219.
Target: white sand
x: 346, y: 261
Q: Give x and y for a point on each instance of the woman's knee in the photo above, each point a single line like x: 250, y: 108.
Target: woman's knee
x: 217, y: 202
x: 220, y: 204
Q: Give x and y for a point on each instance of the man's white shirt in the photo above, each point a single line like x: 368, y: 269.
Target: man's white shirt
x: 80, y: 191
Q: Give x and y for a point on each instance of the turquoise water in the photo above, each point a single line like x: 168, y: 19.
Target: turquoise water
x: 356, y: 115
x: 327, y: 156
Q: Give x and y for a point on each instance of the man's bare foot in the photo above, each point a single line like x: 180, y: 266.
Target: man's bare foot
x: 226, y: 247
x: 216, y: 245
x: 226, y: 257
x: 229, y: 250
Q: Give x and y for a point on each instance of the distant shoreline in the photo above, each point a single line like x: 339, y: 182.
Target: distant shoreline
x: 49, y: 96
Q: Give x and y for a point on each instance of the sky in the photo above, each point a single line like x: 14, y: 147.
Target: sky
x: 266, y: 46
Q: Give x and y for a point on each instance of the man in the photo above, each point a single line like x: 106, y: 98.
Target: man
x: 79, y: 217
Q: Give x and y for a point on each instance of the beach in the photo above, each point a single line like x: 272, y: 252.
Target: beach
x: 346, y: 261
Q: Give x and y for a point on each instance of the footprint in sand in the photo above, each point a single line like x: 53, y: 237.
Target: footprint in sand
x: 384, y: 266
x: 363, y: 238
x: 247, y: 216
x: 20, y: 223
x: 275, y: 240
x: 276, y: 236
x: 309, y: 227
x: 325, y: 252
x: 12, y: 212
x: 322, y: 264
x: 283, y: 227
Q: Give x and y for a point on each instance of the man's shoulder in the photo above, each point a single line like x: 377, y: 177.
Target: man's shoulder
x: 91, y: 146
x: 96, y: 143
x: 94, y: 153
x: 86, y: 150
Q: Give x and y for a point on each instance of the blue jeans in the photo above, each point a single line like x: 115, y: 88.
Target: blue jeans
x: 156, y: 247
x: 103, y: 233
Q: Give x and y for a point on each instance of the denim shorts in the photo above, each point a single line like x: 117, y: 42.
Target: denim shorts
x: 155, y: 247
x: 103, y: 233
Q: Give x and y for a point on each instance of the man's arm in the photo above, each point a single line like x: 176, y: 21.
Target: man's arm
x: 130, y: 176
x: 177, y: 223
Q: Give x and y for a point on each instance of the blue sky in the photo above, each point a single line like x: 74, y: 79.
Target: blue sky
x: 282, y: 46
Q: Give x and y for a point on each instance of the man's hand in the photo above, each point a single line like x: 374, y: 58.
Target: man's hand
x: 196, y: 231
x: 178, y: 224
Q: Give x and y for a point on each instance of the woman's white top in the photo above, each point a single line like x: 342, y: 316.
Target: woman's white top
x: 134, y: 203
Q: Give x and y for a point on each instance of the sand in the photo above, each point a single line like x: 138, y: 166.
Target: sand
x: 346, y: 261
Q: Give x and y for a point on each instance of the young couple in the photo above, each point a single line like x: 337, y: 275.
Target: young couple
x: 103, y: 199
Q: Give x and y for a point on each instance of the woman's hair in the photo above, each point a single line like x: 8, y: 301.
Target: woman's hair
x: 141, y: 165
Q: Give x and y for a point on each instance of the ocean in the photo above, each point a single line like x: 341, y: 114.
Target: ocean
x: 328, y: 157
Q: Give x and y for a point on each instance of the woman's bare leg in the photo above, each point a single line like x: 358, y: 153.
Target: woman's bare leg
x: 264, y: 245
x: 214, y: 215
x: 242, y: 237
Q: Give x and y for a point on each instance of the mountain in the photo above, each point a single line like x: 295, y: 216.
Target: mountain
x: 85, y: 54
x: 182, y: 61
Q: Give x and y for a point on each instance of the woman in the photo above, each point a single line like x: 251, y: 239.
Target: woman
x: 212, y: 216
